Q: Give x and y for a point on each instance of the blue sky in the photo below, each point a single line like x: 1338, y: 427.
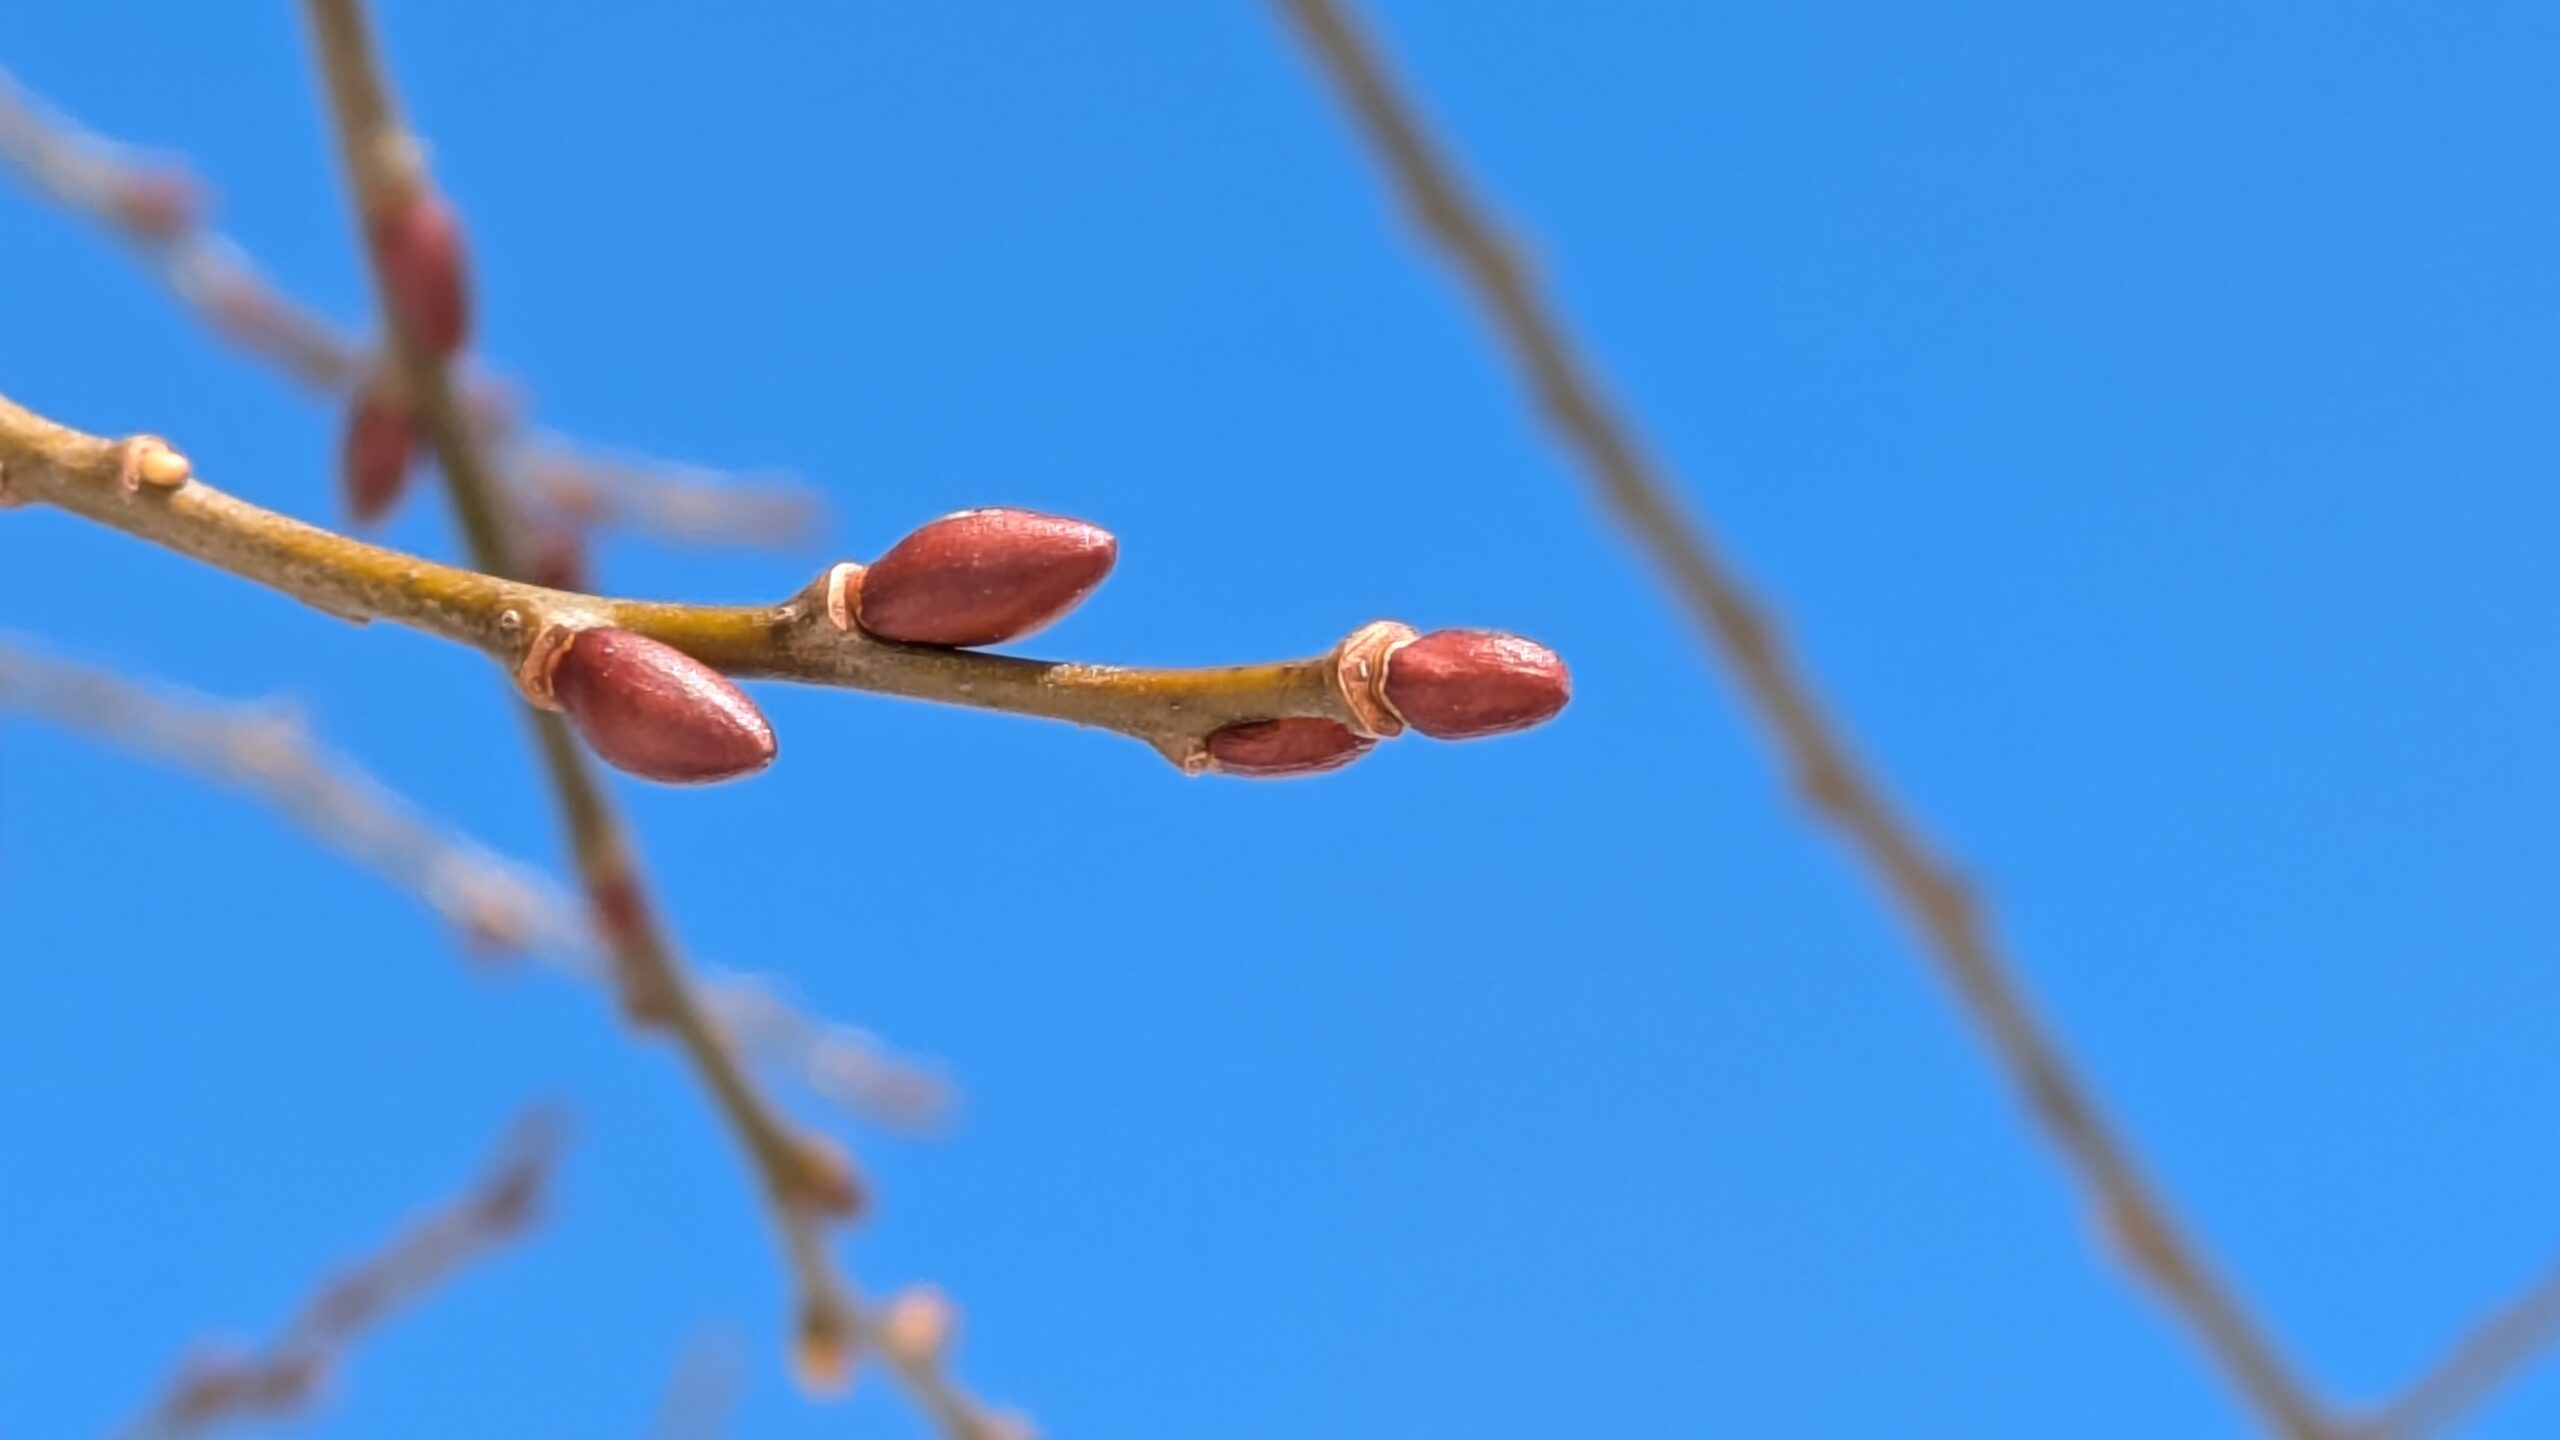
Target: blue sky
x: 2142, y: 416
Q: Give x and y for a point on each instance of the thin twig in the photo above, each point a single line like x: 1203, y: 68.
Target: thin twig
x: 1175, y: 711
x: 1933, y: 898
x: 156, y: 208
x: 494, y: 904
x: 215, y: 1387
x: 802, y: 1184
x: 702, y: 1391
x: 2489, y: 1356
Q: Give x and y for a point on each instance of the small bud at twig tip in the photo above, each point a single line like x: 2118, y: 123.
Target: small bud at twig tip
x: 1465, y: 684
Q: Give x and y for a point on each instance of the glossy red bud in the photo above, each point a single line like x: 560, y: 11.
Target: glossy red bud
x: 418, y: 243
x: 1277, y: 749
x: 982, y: 577
x: 656, y: 712
x: 1463, y: 684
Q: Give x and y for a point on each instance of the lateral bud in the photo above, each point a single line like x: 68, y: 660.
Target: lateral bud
x: 157, y: 203
x: 822, y: 1349
x: 646, y: 708
x: 823, y: 1179
x: 147, y: 460
x: 1280, y: 749
x: 915, y: 1329
x: 375, y: 454
x: 978, y: 577
x: 417, y: 242
x: 1465, y: 684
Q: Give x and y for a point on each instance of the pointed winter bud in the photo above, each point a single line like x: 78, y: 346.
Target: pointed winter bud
x: 822, y: 1350
x: 418, y: 244
x: 651, y: 709
x: 374, y: 456
x: 156, y: 202
x: 982, y: 577
x: 916, y: 1327
x: 824, y: 1179
x: 1461, y: 684
x: 1276, y: 749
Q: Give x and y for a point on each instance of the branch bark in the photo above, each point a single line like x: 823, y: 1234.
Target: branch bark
x: 1734, y: 626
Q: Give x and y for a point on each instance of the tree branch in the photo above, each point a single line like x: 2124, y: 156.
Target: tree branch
x: 1174, y: 711
x: 494, y: 904
x: 1732, y: 622
x: 213, y: 1388
x: 2489, y: 1356
x: 803, y: 1184
x: 156, y: 209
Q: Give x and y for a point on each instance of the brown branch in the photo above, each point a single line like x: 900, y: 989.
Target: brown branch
x: 2489, y: 1356
x: 1175, y: 711
x: 494, y: 904
x: 702, y: 1392
x: 916, y: 1333
x: 804, y: 1185
x: 1732, y: 622
x: 214, y: 1387
x: 156, y: 208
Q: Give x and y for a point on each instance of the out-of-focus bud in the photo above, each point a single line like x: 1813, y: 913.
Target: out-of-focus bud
x: 982, y: 577
x: 826, y: 1181
x: 822, y: 1350
x: 1275, y: 749
x: 916, y: 1327
x: 656, y: 712
x: 374, y: 455
x: 158, y: 203
x: 418, y: 243
x: 1462, y: 684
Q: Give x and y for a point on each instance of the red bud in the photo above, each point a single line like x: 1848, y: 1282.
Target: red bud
x: 373, y: 462
x: 982, y: 577
x: 1275, y: 749
x: 657, y: 712
x: 156, y: 203
x: 418, y: 244
x: 1462, y: 684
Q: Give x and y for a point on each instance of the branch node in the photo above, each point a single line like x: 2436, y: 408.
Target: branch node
x: 147, y: 460
x: 843, y: 584
x: 541, y: 657
x: 1360, y: 674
